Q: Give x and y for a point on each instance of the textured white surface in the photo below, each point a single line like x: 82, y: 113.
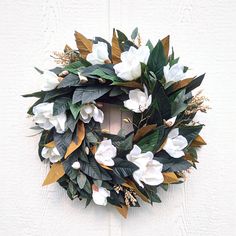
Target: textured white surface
x: 203, y: 33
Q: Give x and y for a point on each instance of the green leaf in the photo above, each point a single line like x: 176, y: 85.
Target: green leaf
x: 73, y: 67
x: 69, y: 81
x: 178, y: 105
x: 56, y: 93
x: 89, y: 94
x: 91, y: 137
x: 124, y: 168
x: 75, y: 109
x: 150, y: 45
x: 157, y: 60
x: 195, y: 83
x: 81, y: 180
x: 36, y: 94
x: 190, y: 132
x: 99, y: 72
x: 151, y: 192
x: 152, y: 141
x: 60, y: 105
x: 134, y: 33
x: 38, y: 70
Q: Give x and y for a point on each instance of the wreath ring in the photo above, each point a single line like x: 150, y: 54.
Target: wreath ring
x: 121, y: 169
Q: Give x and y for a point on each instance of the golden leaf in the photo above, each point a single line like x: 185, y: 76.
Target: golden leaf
x: 143, y: 131
x: 83, y: 44
x: 180, y: 84
x: 170, y: 177
x: 130, y: 84
x: 50, y: 145
x: 134, y: 187
x: 115, y: 49
x: 123, y: 211
x: 67, y: 49
x: 93, y: 149
x: 198, y: 141
x: 73, y: 146
x: 166, y: 45
x: 55, y: 173
x: 105, y: 167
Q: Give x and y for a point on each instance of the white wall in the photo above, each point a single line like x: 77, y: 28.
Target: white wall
x: 203, y: 33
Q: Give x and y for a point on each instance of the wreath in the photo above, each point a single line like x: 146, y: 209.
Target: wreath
x: 121, y: 169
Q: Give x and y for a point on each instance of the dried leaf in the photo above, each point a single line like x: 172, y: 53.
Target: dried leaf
x: 143, y: 131
x: 133, y: 186
x: 115, y: 49
x: 123, y: 211
x: 179, y: 85
x: 93, y: 149
x: 198, y: 141
x: 105, y: 167
x: 67, y: 49
x: 84, y: 45
x: 55, y: 173
x: 52, y: 144
x: 73, y: 146
x: 170, y: 177
x: 166, y: 45
x: 130, y: 84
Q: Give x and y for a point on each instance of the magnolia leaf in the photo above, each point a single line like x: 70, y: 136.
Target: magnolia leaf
x: 50, y: 145
x: 170, y: 177
x: 73, y: 146
x: 134, y: 187
x: 162, y: 145
x: 105, y: 167
x: 93, y: 149
x: 143, y: 131
x: 115, y: 49
x: 55, y: 173
x: 67, y: 48
x: 134, y: 33
x: 198, y: 141
x: 123, y: 210
x: 166, y: 45
x: 130, y: 84
x: 178, y: 85
x: 84, y: 45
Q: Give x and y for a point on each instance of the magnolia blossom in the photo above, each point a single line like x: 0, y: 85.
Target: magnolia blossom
x: 138, y: 101
x: 175, y: 144
x: 100, y: 195
x: 130, y: 67
x: 174, y: 73
x: 149, y: 170
x: 99, y: 54
x: 52, y: 154
x: 75, y: 165
x: 43, y: 116
x: 105, y: 152
x: 50, y: 80
x: 89, y: 111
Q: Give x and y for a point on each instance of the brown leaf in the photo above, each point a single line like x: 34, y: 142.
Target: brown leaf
x: 115, y: 49
x: 134, y: 187
x: 67, y: 49
x: 198, y: 141
x: 170, y: 177
x: 83, y: 44
x: 81, y: 134
x: 123, y: 211
x: 50, y: 145
x: 105, y: 167
x: 166, y: 45
x: 179, y: 85
x: 93, y: 149
x: 55, y: 173
x: 130, y: 84
x: 143, y: 131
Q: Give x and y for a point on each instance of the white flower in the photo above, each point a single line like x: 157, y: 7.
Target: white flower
x: 149, y: 170
x: 89, y: 111
x: 75, y: 165
x: 130, y: 67
x: 138, y: 101
x: 100, y: 195
x: 99, y: 54
x: 50, y: 80
x: 175, y: 144
x: 43, y: 116
x: 170, y: 122
x: 52, y: 154
x: 174, y: 73
x: 105, y: 152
